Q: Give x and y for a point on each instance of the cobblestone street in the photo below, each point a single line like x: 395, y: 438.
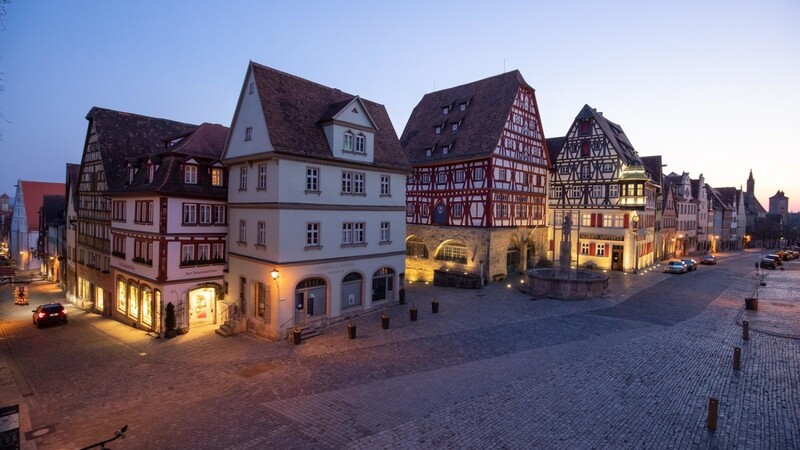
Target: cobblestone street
x: 494, y: 369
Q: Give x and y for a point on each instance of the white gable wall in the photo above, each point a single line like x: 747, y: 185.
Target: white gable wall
x: 249, y: 114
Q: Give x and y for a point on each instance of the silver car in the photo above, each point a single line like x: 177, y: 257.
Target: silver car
x: 676, y: 267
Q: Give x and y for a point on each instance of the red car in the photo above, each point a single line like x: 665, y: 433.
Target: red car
x: 49, y: 313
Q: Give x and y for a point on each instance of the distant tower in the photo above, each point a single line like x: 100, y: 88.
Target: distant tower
x: 779, y: 204
x: 751, y: 184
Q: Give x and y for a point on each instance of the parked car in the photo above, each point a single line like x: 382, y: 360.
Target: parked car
x: 691, y: 264
x: 676, y: 266
x: 778, y: 261
x: 768, y: 263
x: 49, y: 313
x: 708, y: 259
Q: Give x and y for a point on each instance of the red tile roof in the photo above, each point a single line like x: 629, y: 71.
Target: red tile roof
x: 33, y: 193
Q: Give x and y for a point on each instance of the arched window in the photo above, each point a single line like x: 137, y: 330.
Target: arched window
x: 122, y: 295
x: 147, y: 306
x: 351, y: 290
x: 133, y: 300
x: 383, y: 284
x: 415, y: 248
x: 453, y: 251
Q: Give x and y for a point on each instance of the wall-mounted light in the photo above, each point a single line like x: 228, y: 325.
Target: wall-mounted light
x: 275, y: 274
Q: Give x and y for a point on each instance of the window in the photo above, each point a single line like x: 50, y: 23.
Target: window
x: 454, y: 252
x: 262, y: 233
x: 608, y: 220
x: 585, y: 147
x: 361, y: 143
x: 358, y: 183
x: 248, y: 133
x: 216, y: 177
x: 501, y: 175
x: 445, y: 110
x: 190, y: 174
x: 122, y: 294
x: 312, y: 179
x: 385, y: 232
x: 261, y: 300
x: 252, y: 87
x: 205, y: 214
x: 613, y: 190
x: 608, y: 167
x: 617, y: 221
x: 563, y: 169
x: 348, y: 141
x: 521, y: 211
x: 312, y: 234
x: 144, y: 211
x: 584, y: 248
x: 600, y: 250
x: 242, y: 230
x: 187, y: 254
x: 458, y: 210
x: 219, y: 214
x: 426, y: 178
x: 410, y: 209
x: 597, y: 191
x: 557, y: 191
x: 218, y: 252
x: 118, y: 210
x: 586, y: 220
x: 424, y: 210
x: 262, y: 176
x: 243, y: 178
x: 347, y: 233
x: 586, y: 128
x: 438, y: 129
x: 478, y: 173
x: 501, y: 210
x: 203, y: 252
x: 586, y: 172
x: 189, y: 213
x: 415, y: 248
x: 441, y: 177
x: 143, y: 251
x: 118, y: 246
x: 576, y: 192
x: 347, y: 182
x: 459, y: 175
x: 385, y: 185
x: 151, y: 172
x: 454, y: 127
x: 463, y: 107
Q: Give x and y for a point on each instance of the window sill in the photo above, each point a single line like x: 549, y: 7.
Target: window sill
x: 353, y: 194
x: 313, y: 247
x: 385, y: 243
x: 386, y: 195
x: 307, y: 192
x: 354, y: 152
x: 360, y: 244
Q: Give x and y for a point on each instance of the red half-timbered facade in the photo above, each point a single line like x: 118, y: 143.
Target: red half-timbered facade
x: 476, y: 199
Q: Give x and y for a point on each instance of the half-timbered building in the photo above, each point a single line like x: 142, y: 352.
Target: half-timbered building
x: 601, y: 183
x: 317, y: 205
x: 476, y: 198
x: 169, y: 232
x: 686, y: 210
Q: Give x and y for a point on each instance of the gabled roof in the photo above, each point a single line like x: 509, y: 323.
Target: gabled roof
x: 654, y: 167
x: 554, y: 146
x: 73, y: 172
x: 612, y: 131
x: 124, y: 136
x: 294, y: 108
x: 488, y: 103
x: 204, y: 146
x: 717, y: 199
x: 33, y: 193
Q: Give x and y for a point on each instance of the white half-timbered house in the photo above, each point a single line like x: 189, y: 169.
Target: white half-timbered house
x: 317, y: 205
x: 477, y: 196
x: 686, y: 209
x: 169, y: 232
x: 601, y: 183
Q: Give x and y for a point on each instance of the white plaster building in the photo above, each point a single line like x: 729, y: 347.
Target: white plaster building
x: 316, y: 203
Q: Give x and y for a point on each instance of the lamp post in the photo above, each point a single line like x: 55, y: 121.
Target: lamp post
x: 635, y: 228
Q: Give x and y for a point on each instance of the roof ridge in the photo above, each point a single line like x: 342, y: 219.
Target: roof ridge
x: 297, y: 77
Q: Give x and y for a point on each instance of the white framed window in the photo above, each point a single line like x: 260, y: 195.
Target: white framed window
x: 600, y: 250
x: 252, y: 87
x: 312, y: 234
x: 242, y: 230
x: 586, y: 220
x: 385, y: 232
x: 190, y: 174
x: 312, y: 179
x: 218, y: 251
x: 608, y: 220
x: 597, y: 191
x: 463, y: 107
x: 428, y: 152
x: 359, y: 233
x: 521, y: 211
x: 385, y: 185
x: 262, y: 176
x: 478, y: 174
x: 216, y: 176
x: 459, y: 175
x: 501, y: 174
x: 445, y: 110
x: 409, y: 209
x: 203, y: 252
x: 347, y: 182
x: 613, y: 190
x: 358, y: 183
x: 608, y: 167
x: 205, y: 214
x: 445, y: 149
x: 189, y: 213
x: 243, y: 178
x: 441, y: 177
x: 586, y: 171
x: 438, y: 129
x: 219, y: 214
x: 349, y: 140
x: 426, y: 178
x: 262, y: 233
x: 576, y: 192
x: 584, y: 248
x: 563, y: 169
x: 557, y: 191
x: 458, y: 210
x: 347, y: 233
x: 248, y: 133
x: 454, y: 127
x: 187, y: 253
x: 361, y: 143
x: 501, y: 210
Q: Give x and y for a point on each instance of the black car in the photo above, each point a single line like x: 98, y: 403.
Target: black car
x: 49, y: 313
x: 691, y: 264
x: 768, y: 263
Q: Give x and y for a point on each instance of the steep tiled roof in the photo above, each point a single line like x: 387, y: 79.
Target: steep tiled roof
x: 612, y: 131
x: 554, y: 146
x: 488, y: 102
x: 654, y: 167
x: 204, y: 145
x: 73, y: 171
x: 33, y: 193
x: 124, y: 136
x: 294, y: 108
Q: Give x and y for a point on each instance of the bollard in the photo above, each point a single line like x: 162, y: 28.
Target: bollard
x: 713, y: 406
x: 737, y: 357
x: 745, y: 330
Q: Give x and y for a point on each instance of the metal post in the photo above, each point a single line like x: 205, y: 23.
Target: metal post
x: 737, y: 358
x: 713, y: 407
x: 745, y: 330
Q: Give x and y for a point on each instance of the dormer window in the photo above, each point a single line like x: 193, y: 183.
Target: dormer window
x: 454, y: 127
x: 361, y: 143
x: 190, y: 174
x: 216, y: 176
x: 463, y: 107
x: 438, y: 129
x: 445, y: 110
x: 586, y: 128
x: 151, y: 172
x: 445, y: 149
x: 349, y: 140
x: 248, y: 133
x: 428, y: 152
x: 131, y: 174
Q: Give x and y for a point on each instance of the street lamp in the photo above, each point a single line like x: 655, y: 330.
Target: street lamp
x: 635, y: 228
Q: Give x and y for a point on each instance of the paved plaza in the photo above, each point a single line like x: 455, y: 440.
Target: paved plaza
x: 494, y: 369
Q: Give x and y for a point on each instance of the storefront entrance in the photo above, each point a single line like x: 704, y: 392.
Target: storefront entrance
x: 201, y: 306
x: 616, y: 257
x: 310, y: 300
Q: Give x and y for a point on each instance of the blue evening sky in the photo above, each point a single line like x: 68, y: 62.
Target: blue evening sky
x: 710, y: 86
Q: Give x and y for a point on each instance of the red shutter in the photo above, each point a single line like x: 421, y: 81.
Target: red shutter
x: 607, y: 252
x: 552, y: 245
x: 594, y: 220
x: 599, y: 220
x: 627, y: 221
x: 592, y: 248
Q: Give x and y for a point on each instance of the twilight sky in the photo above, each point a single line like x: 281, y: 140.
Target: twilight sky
x: 710, y: 86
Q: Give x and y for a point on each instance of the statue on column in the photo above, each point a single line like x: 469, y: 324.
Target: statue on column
x: 565, y: 257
